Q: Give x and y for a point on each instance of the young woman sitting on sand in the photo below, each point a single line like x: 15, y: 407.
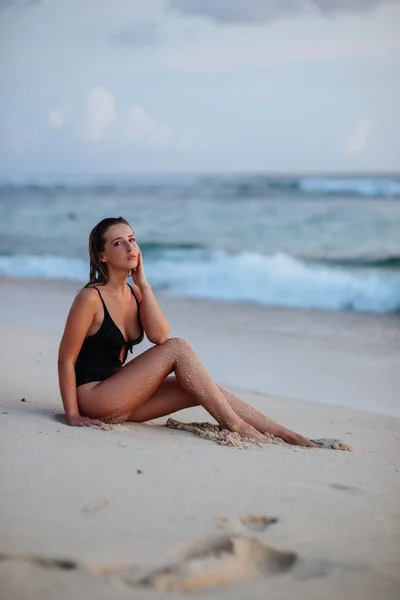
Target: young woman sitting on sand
x: 108, y: 317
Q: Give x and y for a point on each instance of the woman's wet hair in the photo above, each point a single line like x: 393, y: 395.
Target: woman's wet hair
x: 99, y: 271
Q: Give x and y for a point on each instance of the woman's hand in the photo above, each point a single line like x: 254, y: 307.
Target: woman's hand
x: 78, y: 421
x: 138, y: 275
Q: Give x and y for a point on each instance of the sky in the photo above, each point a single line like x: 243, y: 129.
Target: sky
x: 158, y: 86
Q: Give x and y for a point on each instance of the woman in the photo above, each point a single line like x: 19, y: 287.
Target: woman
x: 107, y: 317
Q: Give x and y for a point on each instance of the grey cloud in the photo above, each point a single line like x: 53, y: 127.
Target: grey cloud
x: 253, y: 11
x: 17, y: 3
x: 143, y: 33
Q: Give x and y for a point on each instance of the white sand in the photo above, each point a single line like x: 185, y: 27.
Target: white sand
x: 76, y: 494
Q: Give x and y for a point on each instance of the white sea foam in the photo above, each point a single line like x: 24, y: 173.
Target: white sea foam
x: 278, y: 279
x: 366, y: 187
x: 44, y: 267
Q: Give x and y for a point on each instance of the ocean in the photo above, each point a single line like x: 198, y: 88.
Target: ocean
x: 328, y: 243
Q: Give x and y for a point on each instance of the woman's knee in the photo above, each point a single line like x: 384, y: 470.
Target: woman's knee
x: 179, y: 345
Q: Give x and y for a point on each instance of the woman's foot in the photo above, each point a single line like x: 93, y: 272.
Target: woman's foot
x: 295, y: 439
x: 249, y: 432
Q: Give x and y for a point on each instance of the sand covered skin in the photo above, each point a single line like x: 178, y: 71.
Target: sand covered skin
x: 139, y: 510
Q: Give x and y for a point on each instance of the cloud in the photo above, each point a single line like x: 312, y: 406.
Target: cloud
x: 134, y: 127
x: 17, y: 3
x: 145, y: 131
x: 101, y: 113
x: 139, y: 123
x: 255, y: 11
x: 356, y: 141
x: 143, y: 33
x: 56, y: 118
x: 190, y: 139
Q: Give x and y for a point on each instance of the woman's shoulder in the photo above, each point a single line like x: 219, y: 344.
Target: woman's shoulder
x: 87, y: 295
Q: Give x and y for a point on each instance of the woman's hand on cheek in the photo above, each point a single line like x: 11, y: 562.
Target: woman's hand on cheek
x: 138, y: 275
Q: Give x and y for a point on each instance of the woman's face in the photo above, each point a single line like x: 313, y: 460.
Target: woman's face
x: 121, y: 250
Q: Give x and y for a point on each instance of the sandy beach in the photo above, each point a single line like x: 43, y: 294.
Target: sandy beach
x: 143, y: 511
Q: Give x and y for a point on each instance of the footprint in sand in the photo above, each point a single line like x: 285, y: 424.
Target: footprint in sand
x: 254, y: 523
x: 345, y: 488
x: 218, y: 562
x: 205, y: 565
x: 90, y: 510
x: 48, y: 563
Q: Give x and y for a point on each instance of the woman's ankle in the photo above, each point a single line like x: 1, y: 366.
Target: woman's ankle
x: 233, y: 425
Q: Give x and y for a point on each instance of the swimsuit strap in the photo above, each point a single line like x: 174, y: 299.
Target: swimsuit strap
x: 138, y: 307
x: 104, y: 304
x: 107, y: 314
x: 134, y: 295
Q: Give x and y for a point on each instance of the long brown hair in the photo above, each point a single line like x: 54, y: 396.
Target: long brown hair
x: 98, y: 273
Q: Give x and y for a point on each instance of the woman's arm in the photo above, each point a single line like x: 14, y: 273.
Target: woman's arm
x: 154, y: 323
x: 78, y: 323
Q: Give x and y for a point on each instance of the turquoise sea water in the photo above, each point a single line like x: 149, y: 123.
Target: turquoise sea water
x: 330, y: 243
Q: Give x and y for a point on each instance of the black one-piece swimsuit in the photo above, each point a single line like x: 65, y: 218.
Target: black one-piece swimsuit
x: 99, y: 356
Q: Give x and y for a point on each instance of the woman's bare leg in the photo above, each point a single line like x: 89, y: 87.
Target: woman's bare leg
x: 170, y: 397
x: 262, y: 423
x: 115, y: 398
